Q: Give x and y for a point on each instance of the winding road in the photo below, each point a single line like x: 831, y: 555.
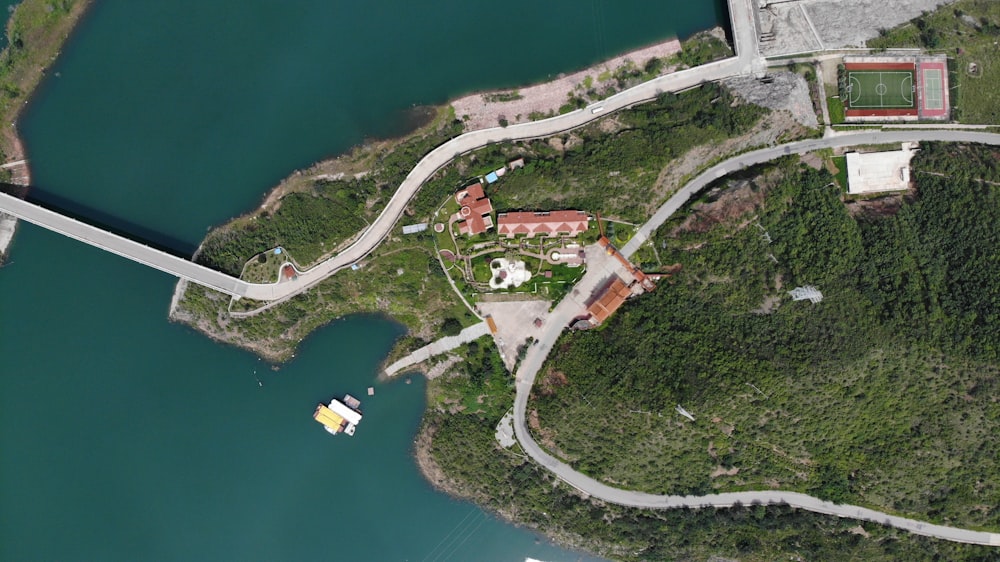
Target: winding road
x: 746, y: 62
x: 569, y: 308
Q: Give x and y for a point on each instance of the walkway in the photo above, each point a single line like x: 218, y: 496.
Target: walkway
x: 438, y: 347
x: 566, y: 310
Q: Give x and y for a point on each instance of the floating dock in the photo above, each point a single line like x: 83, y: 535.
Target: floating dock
x: 340, y: 416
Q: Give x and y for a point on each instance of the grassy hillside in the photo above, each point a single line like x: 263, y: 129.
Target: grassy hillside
x: 883, y: 394
x: 35, y: 32
x: 967, y: 31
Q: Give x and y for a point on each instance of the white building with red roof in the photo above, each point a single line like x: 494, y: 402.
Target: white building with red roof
x: 545, y: 223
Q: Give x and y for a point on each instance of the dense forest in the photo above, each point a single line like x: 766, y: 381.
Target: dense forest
x: 882, y: 394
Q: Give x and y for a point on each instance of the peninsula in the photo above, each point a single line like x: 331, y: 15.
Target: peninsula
x: 690, y: 218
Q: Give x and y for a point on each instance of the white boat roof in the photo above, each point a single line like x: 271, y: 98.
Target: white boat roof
x: 343, y: 411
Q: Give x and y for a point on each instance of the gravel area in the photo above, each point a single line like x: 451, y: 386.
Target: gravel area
x: 788, y: 91
x: 550, y: 96
x: 849, y: 23
x: 809, y: 25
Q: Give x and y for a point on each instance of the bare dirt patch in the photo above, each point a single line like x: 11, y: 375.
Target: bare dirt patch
x: 551, y: 382
x: 769, y: 305
x: 484, y: 110
x: 875, y: 208
x: 784, y: 91
x: 719, y: 471
x: 533, y: 422
x: 815, y: 161
x: 728, y: 205
x: 777, y: 125
x: 859, y: 530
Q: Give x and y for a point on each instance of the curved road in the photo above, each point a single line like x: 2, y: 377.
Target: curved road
x: 748, y: 61
x: 566, y: 310
x: 442, y: 155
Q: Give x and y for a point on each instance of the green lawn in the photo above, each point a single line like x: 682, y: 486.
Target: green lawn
x: 841, y: 163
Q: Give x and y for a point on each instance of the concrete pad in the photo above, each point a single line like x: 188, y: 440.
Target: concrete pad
x: 877, y: 172
x: 515, y: 322
x: 505, y: 431
x: 800, y: 26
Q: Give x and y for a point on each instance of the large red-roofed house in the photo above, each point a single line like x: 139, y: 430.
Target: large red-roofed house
x: 546, y: 223
x: 474, y: 216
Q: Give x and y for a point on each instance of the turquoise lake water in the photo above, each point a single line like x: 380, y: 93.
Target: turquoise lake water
x: 126, y: 437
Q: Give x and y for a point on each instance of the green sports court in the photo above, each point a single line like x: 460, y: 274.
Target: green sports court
x: 881, y: 89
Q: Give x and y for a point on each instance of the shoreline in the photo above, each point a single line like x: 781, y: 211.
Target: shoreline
x: 355, y: 160
x: 360, y: 160
x: 481, y: 110
x: 27, y: 75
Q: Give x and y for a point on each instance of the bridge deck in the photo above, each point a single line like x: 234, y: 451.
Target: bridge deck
x: 146, y: 255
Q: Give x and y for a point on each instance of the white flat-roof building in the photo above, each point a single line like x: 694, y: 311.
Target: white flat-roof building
x: 877, y: 172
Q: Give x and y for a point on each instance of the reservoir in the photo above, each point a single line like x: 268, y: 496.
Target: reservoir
x: 126, y: 437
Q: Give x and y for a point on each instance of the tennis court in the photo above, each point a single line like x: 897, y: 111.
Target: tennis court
x: 933, y: 89
x: 880, y: 89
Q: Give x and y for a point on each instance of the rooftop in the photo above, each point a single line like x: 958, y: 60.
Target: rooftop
x: 608, y: 300
x: 474, y: 216
x: 547, y: 223
x: 877, y: 172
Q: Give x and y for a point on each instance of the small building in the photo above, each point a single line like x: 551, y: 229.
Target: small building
x: 878, y: 172
x: 474, y: 217
x: 515, y: 164
x: 545, y: 223
x: 414, y: 228
x: 608, y: 300
x: 491, y: 177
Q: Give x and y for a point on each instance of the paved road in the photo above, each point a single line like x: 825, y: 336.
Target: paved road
x: 438, y: 347
x: 837, y: 140
x: 567, y: 310
x: 748, y: 61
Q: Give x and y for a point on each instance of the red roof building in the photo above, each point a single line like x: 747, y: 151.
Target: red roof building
x: 474, y: 216
x: 546, y: 223
x: 608, y: 301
